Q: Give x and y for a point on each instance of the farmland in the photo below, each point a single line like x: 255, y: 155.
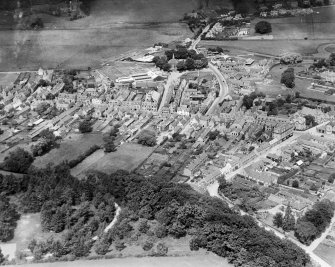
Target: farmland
x: 113, y: 28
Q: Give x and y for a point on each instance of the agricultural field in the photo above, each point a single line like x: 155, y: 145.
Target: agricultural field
x: 127, y: 157
x: 113, y: 28
x: 70, y: 148
x: 318, y: 25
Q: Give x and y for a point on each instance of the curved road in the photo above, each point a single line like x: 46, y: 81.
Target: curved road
x: 224, y: 89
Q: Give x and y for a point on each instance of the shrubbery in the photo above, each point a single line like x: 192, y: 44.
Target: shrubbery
x: 80, y: 158
x: 315, y: 221
x: 263, y: 27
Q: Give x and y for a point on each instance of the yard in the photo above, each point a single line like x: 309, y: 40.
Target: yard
x: 70, y: 148
x: 127, y: 157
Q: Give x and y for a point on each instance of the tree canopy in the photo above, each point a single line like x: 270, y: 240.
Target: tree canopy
x: 263, y: 27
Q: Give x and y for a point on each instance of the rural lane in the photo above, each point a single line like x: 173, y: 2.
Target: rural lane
x: 213, y: 190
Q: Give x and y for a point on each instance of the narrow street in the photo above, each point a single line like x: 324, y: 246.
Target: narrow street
x: 168, y: 87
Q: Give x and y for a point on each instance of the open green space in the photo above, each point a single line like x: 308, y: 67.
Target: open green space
x: 127, y: 157
x: 326, y: 252
x: 73, y: 146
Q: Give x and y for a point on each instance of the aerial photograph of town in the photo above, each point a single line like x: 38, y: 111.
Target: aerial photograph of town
x: 159, y: 133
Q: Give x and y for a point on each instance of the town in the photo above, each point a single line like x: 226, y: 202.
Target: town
x: 253, y: 129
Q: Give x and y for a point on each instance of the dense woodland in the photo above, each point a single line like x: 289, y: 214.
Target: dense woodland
x: 85, y: 207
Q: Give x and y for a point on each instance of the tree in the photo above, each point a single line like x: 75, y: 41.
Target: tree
x: 143, y: 226
x: 310, y: 120
x: 32, y: 244
x: 102, y: 246
x: 181, y: 66
x: 278, y: 220
x: 331, y: 178
x: 147, y: 245
x: 2, y: 257
x: 147, y: 138
x: 18, y: 161
x: 161, y: 249
x: 288, y: 78
x: 332, y: 59
x: 110, y: 146
x: 295, y: 184
x: 38, y: 253
x: 85, y: 126
x: 263, y: 27
x: 288, y: 220
x: 119, y: 245
x: 305, y: 231
x: 160, y: 231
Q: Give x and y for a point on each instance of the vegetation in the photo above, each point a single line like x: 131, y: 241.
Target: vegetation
x: 188, y: 59
x: 263, y: 27
x: 147, y: 138
x: 8, y: 219
x: 80, y: 158
x: 177, y: 207
x: 248, y: 100
x: 85, y: 126
x: 288, y: 78
x: 278, y: 220
x: 18, y: 161
x: 314, y: 222
x: 291, y: 59
x: 47, y: 142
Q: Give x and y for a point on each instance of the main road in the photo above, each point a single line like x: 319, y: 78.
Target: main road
x: 224, y: 89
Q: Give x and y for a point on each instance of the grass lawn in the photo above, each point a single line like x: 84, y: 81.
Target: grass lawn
x: 7, y: 78
x: 70, y: 148
x: 127, y: 157
x: 326, y: 252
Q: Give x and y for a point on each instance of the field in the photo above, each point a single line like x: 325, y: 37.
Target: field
x: 113, y: 28
x: 194, y: 261
x: 127, y: 157
x: 318, y: 25
x: 7, y: 78
x: 70, y: 148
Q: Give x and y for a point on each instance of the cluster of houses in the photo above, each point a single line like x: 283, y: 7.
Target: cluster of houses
x: 242, y: 74
x: 189, y: 97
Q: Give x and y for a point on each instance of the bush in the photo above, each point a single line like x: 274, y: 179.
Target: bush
x: 263, y: 27
x: 288, y: 78
x: 147, y: 138
x: 147, y: 245
x: 85, y: 126
x: 80, y: 158
x: 161, y: 249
